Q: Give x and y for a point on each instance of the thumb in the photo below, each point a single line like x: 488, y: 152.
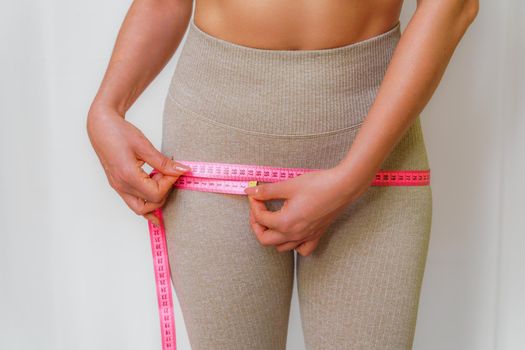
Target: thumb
x: 164, y: 182
x: 267, y: 191
x: 308, y: 247
x: 162, y: 163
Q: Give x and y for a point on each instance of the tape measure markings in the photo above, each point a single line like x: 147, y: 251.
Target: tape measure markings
x: 233, y: 179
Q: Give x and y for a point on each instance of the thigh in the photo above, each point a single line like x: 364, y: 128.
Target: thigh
x: 360, y: 288
x: 234, y: 293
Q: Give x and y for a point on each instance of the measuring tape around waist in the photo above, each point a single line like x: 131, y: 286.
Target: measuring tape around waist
x: 233, y: 179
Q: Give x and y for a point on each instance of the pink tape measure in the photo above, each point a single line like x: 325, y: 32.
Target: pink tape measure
x: 233, y: 179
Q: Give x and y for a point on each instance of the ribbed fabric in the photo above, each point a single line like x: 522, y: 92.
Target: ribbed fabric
x: 292, y: 108
x: 329, y: 89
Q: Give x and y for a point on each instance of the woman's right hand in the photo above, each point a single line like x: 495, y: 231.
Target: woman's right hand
x: 122, y: 150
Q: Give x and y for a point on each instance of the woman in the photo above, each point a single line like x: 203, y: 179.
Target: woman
x: 329, y: 85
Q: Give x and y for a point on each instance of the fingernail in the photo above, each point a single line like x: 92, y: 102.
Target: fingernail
x: 182, y: 168
x: 250, y: 190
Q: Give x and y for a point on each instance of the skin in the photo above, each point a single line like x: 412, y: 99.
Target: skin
x: 152, y: 31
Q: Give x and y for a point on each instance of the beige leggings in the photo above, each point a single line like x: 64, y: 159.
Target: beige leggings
x: 235, y: 104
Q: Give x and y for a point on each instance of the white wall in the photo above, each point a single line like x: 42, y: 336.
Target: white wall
x: 510, y: 308
x: 75, y: 262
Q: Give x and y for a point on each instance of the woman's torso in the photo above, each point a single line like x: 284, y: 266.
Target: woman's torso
x: 296, y: 25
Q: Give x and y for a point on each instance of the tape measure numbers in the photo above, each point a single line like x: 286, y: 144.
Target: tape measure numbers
x: 233, y: 179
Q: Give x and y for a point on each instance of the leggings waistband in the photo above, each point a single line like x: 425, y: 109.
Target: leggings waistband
x: 288, y: 92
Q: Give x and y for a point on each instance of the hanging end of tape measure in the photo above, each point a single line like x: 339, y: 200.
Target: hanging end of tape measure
x: 252, y: 183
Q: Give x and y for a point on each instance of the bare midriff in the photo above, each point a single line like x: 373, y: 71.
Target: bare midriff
x: 298, y: 24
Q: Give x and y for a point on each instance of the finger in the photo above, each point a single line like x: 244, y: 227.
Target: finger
x: 265, y: 217
x: 265, y: 191
x: 287, y: 246
x: 256, y: 205
x: 135, y: 181
x: 138, y: 205
x: 308, y: 247
x: 152, y: 217
x: 272, y: 237
x: 257, y: 228
x: 152, y: 189
x: 147, y: 152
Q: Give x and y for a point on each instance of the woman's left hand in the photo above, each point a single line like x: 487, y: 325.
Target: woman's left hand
x: 312, y: 201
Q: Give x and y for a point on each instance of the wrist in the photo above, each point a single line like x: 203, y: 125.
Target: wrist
x: 350, y: 184
x: 104, y: 107
x: 99, y: 111
x: 99, y: 114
